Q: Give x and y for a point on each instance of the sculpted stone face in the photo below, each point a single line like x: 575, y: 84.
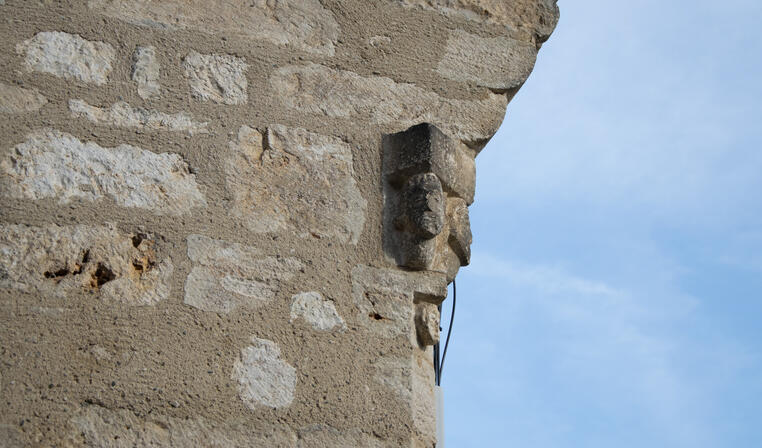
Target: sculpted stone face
x: 429, y: 184
x: 423, y: 203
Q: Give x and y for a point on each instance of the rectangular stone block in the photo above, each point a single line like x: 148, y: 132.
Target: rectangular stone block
x: 220, y: 78
x: 295, y: 181
x: 56, y: 165
x: 145, y: 71
x: 302, y: 24
x: 62, y: 261
x: 319, y: 90
x: 385, y: 298
x: 121, y: 114
x: 424, y: 148
x: 227, y: 275
x: 499, y: 63
x: 68, y: 56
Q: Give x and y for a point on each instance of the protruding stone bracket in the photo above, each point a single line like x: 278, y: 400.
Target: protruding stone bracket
x: 429, y: 182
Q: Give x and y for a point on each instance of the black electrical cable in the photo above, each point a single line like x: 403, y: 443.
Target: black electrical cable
x: 439, y: 364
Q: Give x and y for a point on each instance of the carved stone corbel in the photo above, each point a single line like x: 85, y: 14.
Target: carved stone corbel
x: 429, y: 182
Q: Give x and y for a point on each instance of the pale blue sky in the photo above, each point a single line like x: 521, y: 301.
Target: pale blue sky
x: 615, y: 293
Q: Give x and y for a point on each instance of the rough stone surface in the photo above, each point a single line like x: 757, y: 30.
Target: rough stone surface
x: 97, y: 426
x: 302, y: 24
x: 18, y: 100
x: 411, y: 380
x: 500, y: 63
x: 219, y: 78
x: 53, y: 164
x: 422, y: 206
x: 321, y: 314
x: 528, y: 18
x: 427, y: 323
x: 123, y: 115
x: 145, y: 71
x: 320, y: 90
x: 324, y: 436
x: 64, y: 260
x: 460, y: 229
x: 384, y: 298
x: 227, y: 275
x: 68, y: 56
x: 296, y: 181
x: 264, y: 379
x: 424, y: 148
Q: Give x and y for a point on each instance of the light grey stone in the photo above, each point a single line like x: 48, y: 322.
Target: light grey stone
x: 98, y: 426
x: 53, y: 164
x: 122, y: 114
x: 319, y: 90
x: 68, y: 56
x: 145, y: 71
x: 321, y: 314
x: 18, y: 100
x: 219, y: 78
x: 385, y: 298
x: 303, y: 24
x: 500, y: 63
x: 227, y: 275
x: 295, y: 181
x: 61, y: 260
x: 264, y: 379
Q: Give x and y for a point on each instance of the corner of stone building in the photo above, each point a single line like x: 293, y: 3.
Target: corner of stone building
x: 230, y: 223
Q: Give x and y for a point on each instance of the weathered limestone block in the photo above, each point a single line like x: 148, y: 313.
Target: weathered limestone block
x: 264, y: 379
x: 530, y: 19
x: 302, y: 24
x: 460, y: 229
x: 145, y: 71
x: 411, y: 380
x: 219, y: 78
x: 424, y: 148
x: 424, y: 228
x: 422, y: 206
x: 68, y: 56
x: 500, y: 63
x: 319, y: 90
x: 385, y: 298
x: 97, y: 426
x: 18, y: 100
x: 427, y: 323
x: 227, y: 275
x: 296, y: 181
x: 122, y: 114
x: 321, y: 314
x: 62, y: 260
x: 52, y: 164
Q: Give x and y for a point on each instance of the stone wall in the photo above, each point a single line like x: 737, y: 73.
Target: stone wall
x: 221, y: 225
